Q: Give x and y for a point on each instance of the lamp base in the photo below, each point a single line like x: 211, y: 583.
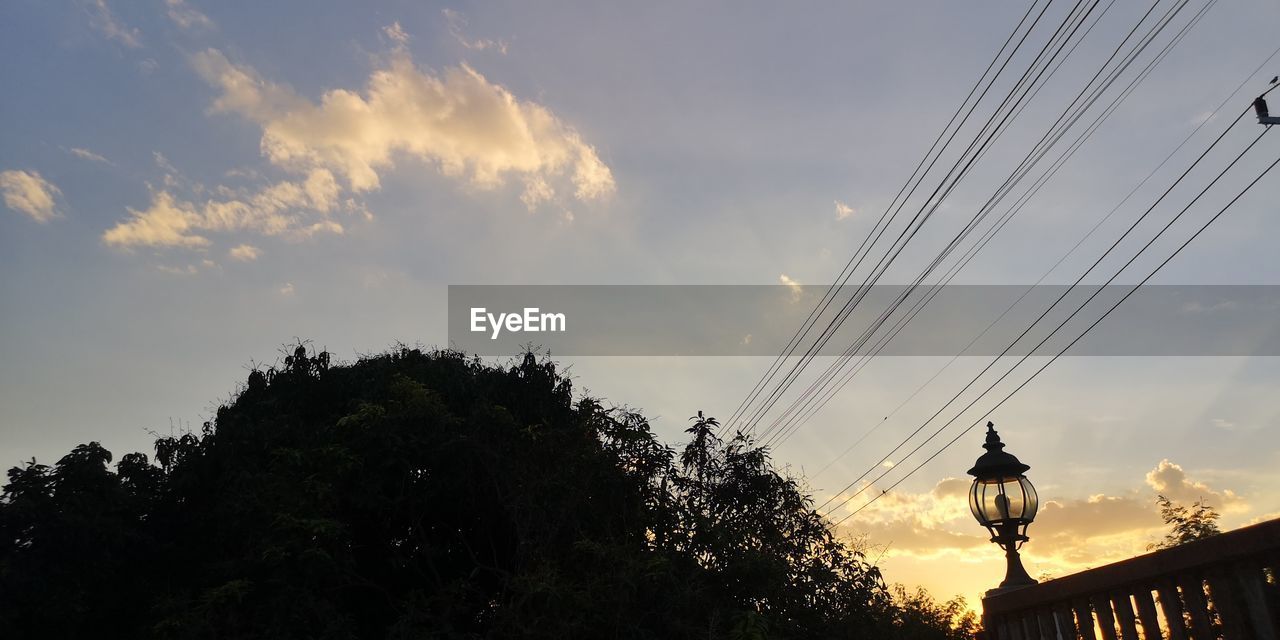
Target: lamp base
x: 1015, y: 576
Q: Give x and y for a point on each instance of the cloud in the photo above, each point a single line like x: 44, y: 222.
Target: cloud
x: 468, y: 127
x: 27, y: 192
x: 186, y: 16
x: 85, y: 154
x: 1068, y: 535
x: 338, y: 147
x: 244, y: 253
x: 102, y: 19
x: 921, y: 524
x: 1224, y: 424
x: 396, y: 33
x: 796, y: 289
x: 457, y: 23
x: 844, y: 211
x: 188, y: 270
x: 163, y: 162
x: 166, y: 223
x: 296, y: 209
x: 1170, y: 480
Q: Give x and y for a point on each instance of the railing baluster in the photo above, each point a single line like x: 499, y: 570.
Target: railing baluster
x: 1030, y: 628
x: 1106, y: 621
x: 1020, y: 627
x: 1084, y: 619
x: 1048, y: 630
x: 1171, y: 605
x: 1225, y: 600
x: 1249, y: 581
x: 1147, y: 613
x: 1065, y: 622
x: 1124, y: 615
x: 1271, y: 586
x: 1014, y: 627
x: 1003, y: 626
x: 1198, y: 608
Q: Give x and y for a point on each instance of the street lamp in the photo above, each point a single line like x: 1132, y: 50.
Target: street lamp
x: 1003, y: 501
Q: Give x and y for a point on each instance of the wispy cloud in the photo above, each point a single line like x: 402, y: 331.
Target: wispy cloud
x: 106, y: 22
x: 457, y: 28
x: 29, y: 193
x: 396, y: 34
x: 296, y: 209
x: 186, y: 16
x: 796, y: 289
x: 244, y: 253
x: 85, y: 154
x: 844, y: 211
x: 185, y: 270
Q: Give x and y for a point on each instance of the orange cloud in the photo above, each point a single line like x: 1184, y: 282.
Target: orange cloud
x: 933, y: 539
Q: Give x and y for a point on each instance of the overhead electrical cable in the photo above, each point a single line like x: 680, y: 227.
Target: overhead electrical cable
x: 1042, y: 148
x: 990, y: 130
x: 1095, y: 323
x: 854, y: 261
x: 1065, y: 293
x: 828, y: 383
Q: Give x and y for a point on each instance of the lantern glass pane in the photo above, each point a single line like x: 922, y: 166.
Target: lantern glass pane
x: 975, y: 501
x: 1032, y: 500
x: 997, y: 500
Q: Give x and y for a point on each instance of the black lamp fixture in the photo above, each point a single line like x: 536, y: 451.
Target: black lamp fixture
x: 1003, y: 501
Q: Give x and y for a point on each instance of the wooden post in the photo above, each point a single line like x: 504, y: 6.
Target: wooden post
x: 1084, y: 620
x: 1249, y: 581
x: 1048, y: 630
x: 1030, y: 628
x: 1065, y: 622
x: 1147, y: 613
x: 1193, y: 593
x: 1235, y: 625
x: 1124, y: 614
x: 1171, y: 605
x: 1106, y: 621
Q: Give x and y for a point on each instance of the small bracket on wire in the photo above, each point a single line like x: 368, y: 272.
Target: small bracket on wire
x: 1264, y: 115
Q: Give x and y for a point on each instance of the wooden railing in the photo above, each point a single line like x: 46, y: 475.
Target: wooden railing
x: 1225, y: 587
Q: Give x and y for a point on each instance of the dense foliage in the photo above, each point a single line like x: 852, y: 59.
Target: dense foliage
x: 427, y: 495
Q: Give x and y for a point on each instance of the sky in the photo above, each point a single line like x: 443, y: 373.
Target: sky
x: 187, y: 187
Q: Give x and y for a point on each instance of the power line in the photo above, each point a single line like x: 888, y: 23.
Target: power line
x: 1113, y: 307
x: 805, y: 407
x: 1042, y: 147
x: 959, y: 170
x: 1042, y: 277
x: 1012, y: 180
x: 1056, y: 302
x: 851, y: 266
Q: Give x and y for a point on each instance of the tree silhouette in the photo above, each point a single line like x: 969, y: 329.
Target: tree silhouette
x: 427, y: 495
x: 1187, y: 524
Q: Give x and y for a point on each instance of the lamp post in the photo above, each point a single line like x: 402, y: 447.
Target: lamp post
x: 1003, y: 501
